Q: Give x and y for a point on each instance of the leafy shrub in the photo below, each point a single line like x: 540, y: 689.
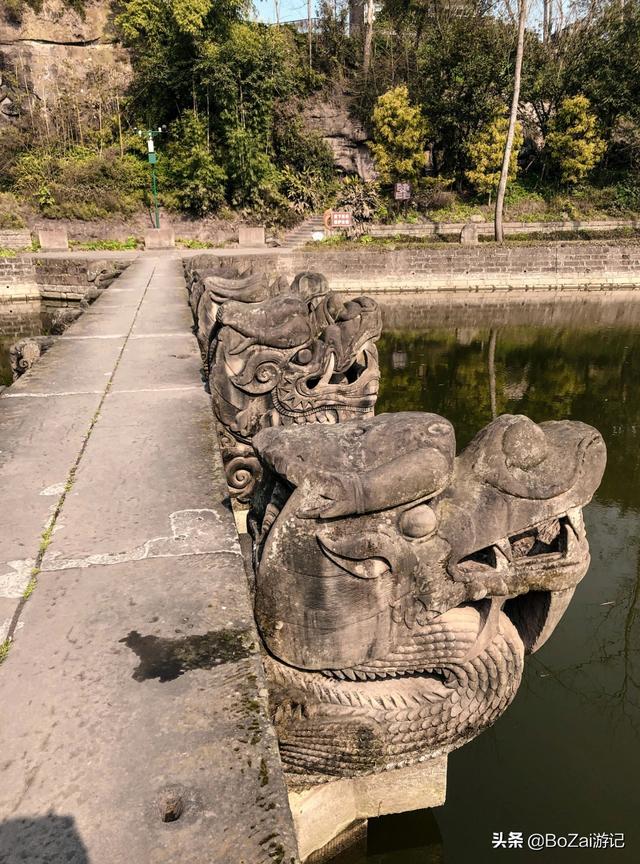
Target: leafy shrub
x: 361, y: 199
x: 433, y: 193
x: 10, y: 216
x: 627, y: 195
x: 80, y: 184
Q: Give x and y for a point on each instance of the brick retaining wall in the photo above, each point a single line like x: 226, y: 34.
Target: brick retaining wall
x: 554, y: 264
x: 17, y: 279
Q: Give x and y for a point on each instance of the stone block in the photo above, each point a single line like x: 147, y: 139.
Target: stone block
x: 323, y: 812
x: 160, y: 238
x: 251, y: 235
x: 470, y: 232
x: 53, y: 240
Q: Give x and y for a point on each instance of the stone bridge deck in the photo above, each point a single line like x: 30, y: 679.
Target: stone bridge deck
x: 132, y: 692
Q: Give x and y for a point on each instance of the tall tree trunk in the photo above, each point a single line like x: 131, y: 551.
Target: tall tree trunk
x: 368, y: 35
x: 309, y: 35
x: 546, y: 20
x: 513, y: 116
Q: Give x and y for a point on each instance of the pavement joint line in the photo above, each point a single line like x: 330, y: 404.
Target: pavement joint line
x: 54, y: 395
x: 158, y: 335
x: 102, y: 336
x: 185, y: 388
x: 47, y: 533
x: 104, y: 559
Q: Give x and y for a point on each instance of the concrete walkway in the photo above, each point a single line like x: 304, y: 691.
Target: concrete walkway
x: 132, y: 702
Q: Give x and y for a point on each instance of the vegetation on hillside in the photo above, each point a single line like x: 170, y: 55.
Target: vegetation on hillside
x: 434, y: 99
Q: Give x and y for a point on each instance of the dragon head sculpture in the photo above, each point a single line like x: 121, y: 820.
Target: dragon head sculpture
x: 289, y: 360
x: 398, y: 586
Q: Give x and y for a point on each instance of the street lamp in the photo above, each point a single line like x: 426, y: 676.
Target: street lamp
x: 150, y: 134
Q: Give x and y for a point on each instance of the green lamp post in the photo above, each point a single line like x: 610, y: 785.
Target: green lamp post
x: 150, y: 134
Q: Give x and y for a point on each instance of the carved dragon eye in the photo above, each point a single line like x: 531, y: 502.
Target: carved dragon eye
x: 524, y: 445
x: 303, y: 357
x: 418, y: 522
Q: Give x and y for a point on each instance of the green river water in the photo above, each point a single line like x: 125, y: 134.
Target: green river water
x: 565, y: 757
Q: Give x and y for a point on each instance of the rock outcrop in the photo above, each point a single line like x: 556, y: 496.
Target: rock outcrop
x: 346, y: 137
x: 57, y: 53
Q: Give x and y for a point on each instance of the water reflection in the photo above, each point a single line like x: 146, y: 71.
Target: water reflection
x: 566, y: 755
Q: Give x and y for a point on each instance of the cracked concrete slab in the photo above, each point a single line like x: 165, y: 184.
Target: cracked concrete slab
x: 146, y: 459
x: 165, y: 361
x: 192, y: 532
x: 81, y: 368
x: 39, y: 442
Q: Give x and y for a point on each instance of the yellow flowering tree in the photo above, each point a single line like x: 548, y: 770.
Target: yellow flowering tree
x: 399, y: 136
x: 573, y: 142
x: 486, y: 151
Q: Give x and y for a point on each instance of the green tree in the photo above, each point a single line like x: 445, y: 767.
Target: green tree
x: 399, y: 136
x: 486, y: 149
x: 190, y: 169
x: 463, y: 78
x: 573, y: 142
x: 603, y: 61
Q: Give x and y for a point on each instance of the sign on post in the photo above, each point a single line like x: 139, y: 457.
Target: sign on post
x: 402, y: 191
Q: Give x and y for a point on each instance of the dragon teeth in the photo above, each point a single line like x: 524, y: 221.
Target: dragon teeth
x: 575, y: 519
x: 548, y: 531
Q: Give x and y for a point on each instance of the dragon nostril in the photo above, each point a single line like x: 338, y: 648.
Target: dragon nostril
x: 524, y: 444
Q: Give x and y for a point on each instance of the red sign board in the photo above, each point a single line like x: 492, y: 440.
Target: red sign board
x: 402, y: 191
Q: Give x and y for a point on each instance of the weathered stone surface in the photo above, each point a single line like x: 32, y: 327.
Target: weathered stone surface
x: 159, y: 238
x: 60, y: 50
x: 470, y: 233
x: 344, y: 135
x: 251, y: 235
x: 15, y: 239
x: 53, y: 240
x: 486, y: 266
x: 24, y: 353
x: 398, y: 587
x: 324, y: 811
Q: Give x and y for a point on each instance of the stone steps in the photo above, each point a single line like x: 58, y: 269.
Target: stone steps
x: 303, y: 233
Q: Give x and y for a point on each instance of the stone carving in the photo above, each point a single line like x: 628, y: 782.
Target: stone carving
x: 26, y: 352
x: 303, y: 356
x: 398, y: 587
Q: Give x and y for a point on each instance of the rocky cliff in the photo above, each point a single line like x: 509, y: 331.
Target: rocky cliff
x: 330, y: 116
x: 59, y: 52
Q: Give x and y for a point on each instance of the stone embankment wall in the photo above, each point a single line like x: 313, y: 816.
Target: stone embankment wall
x: 486, y: 229
x: 32, y: 277
x: 573, y: 264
